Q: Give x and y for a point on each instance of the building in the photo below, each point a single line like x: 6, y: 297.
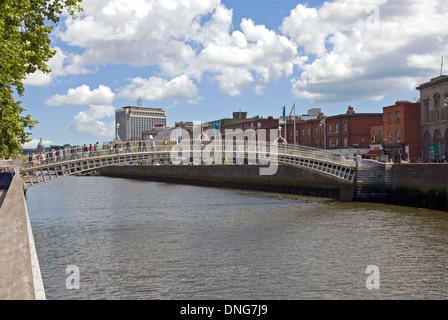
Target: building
x: 349, y: 130
x: 40, y: 147
x: 434, y: 118
x: 159, y: 134
x: 399, y: 134
x: 241, y: 121
x: 130, y: 122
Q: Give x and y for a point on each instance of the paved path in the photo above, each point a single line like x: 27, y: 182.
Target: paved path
x: 2, y: 196
x: 17, y: 265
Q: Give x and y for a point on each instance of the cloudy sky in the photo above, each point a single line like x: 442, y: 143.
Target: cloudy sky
x: 201, y: 60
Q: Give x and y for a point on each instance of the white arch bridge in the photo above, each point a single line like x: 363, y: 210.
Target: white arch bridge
x: 326, y: 163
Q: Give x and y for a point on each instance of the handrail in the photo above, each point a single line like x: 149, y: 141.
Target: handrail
x: 274, y: 149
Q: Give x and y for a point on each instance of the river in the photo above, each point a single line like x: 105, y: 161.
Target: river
x: 130, y: 239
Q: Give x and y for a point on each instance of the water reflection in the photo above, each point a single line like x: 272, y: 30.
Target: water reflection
x: 143, y: 240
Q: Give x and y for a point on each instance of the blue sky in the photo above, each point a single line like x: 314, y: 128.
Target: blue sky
x: 201, y: 60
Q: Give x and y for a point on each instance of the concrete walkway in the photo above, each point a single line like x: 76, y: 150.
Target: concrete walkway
x: 19, y: 269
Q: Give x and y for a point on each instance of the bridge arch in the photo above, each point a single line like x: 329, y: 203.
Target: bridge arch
x: 319, y: 161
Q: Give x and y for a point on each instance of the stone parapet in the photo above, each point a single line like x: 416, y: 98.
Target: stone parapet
x: 20, y: 274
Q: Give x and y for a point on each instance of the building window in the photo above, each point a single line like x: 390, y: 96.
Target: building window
x: 437, y: 107
x: 345, y: 142
x: 315, y: 131
x: 389, y: 118
x: 398, y: 136
x: 336, y: 128
x: 397, y: 117
x: 426, y: 145
x: 390, y: 137
x: 427, y: 111
x: 329, y: 128
x: 345, y: 127
x: 309, y: 131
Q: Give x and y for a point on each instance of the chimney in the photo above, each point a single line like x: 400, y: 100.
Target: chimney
x: 350, y: 110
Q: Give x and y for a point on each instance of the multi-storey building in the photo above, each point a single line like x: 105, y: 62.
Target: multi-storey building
x: 349, y: 130
x: 132, y: 121
x: 434, y: 118
x: 399, y: 134
x: 240, y: 121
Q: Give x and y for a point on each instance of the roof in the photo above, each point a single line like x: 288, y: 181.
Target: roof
x: 373, y: 153
x: 433, y: 82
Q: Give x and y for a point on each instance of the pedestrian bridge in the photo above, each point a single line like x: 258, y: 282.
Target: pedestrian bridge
x: 333, y: 165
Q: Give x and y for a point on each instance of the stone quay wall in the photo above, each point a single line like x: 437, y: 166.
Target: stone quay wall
x: 416, y: 185
x: 287, y: 180
x: 20, y: 277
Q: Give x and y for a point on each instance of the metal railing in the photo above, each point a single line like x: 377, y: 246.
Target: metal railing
x: 79, y: 160
x: 272, y: 149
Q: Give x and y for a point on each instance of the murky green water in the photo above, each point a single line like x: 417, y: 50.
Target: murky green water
x: 144, y: 240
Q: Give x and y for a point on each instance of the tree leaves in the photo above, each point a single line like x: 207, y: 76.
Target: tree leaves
x: 25, y: 27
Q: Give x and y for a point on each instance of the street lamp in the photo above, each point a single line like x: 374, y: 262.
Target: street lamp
x: 323, y: 123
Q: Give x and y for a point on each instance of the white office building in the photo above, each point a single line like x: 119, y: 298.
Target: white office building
x: 130, y: 122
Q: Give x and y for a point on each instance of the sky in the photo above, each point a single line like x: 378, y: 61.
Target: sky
x: 202, y: 60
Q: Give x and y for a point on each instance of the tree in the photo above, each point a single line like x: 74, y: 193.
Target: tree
x: 25, y: 27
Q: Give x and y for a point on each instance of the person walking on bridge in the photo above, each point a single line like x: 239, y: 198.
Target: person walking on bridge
x: 96, y: 149
x: 153, y: 145
x: 61, y: 154
x: 129, y: 146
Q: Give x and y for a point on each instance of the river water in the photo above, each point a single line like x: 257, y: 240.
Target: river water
x: 133, y: 239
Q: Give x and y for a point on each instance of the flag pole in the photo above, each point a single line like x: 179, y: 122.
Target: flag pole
x: 294, y: 123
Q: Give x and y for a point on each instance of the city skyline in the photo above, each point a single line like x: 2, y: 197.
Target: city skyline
x: 205, y: 60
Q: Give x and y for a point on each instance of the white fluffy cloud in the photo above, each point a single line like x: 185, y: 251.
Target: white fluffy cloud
x: 365, y: 50
x: 159, y: 89
x: 254, y: 54
x: 342, y: 50
x: 182, y: 38
x: 91, y: 122
x: 83, y: 96
x: 62, y: 64
x: 138, y: 32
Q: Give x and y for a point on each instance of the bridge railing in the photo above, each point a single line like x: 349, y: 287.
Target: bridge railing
x: 270, y: 149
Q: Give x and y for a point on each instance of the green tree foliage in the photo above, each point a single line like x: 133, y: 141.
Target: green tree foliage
x: 25, y: 27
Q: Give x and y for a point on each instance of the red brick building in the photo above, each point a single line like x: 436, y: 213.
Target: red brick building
x: 349, y: 130
x: 400, y: 131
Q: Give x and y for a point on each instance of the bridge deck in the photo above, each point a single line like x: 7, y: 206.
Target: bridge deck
x: 324, y: 162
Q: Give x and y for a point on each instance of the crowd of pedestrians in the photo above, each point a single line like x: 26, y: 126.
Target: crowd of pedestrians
x: 92, y: 150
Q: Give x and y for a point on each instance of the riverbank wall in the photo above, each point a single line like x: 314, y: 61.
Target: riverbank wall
x: 419, y: 185
x: 415, y: 185
x: 20, y: 277
x: 287, y: 180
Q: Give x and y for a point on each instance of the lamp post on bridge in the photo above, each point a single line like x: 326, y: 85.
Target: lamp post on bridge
x: 323, y: 123
x: 117, y: 137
